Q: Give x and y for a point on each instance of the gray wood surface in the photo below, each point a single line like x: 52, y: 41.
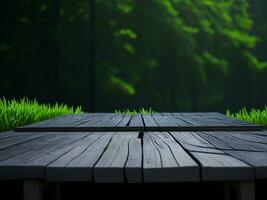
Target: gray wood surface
x: 133, y: 166
x: 77, y: 164
x: 111, y: 165
x: 30, y: 162
x: 128, y: 151
x: 248, y: 147
x: 220, y: 167
x: 235, y: 141
x: 256, y: 159
x: 150, y: 121
x: 215, y: 163
x: 125, y: 121
x: 166, y: 161
x: 137, y: 122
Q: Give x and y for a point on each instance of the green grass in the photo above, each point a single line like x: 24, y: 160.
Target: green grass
x: 257, y: 116
x: 14, y: 113
x: 131, y: 112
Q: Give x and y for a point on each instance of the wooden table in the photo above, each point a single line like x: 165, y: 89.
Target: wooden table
x: 115, y: 148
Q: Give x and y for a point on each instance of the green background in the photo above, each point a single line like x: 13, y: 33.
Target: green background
x: 171, y: 55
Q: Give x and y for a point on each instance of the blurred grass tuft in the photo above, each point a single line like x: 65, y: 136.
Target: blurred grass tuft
x: 257, y: 116
x: 14, y: 113
x: 141, y: 110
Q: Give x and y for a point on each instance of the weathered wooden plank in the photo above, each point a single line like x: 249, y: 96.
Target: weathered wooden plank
x: 136, y: 121
x: 110, y: 120
x: 218, y: 143
x: 31, y: 164
x: 98, y: 121
x: 83, y: 122
x: 154, y: 122
x: 238, y: 143
x: 230, y: 119
x: 133, y: 167
x: 20, y: 137
x: 125, y: 121
x: 57, y: 170
x: 219, y: 167
x: 256, y: 159
x: 165, y: 160
x: 249, y: 136
x: 192, y: 142
x: 149, y: 121
x: 18, y: 149
x: 257, y: 133
x: 174, y: 119
x: 216, y: 121
x: 77, y: 164
x: 64, y: 120
x: 110, y: 167
x: 163, y: 121
x: 211, y: 119
x: 189, y: 120
x: 7, y: 134
x: 216, y: 165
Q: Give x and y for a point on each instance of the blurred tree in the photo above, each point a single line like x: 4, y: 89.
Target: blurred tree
x: 172, y: 55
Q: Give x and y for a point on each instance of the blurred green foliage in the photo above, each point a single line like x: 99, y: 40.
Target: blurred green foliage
x: 172, y: 55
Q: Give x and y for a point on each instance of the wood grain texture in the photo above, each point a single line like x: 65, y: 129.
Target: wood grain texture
x: 133, y: 166
x: 237, y: 141
x: 158, y: 147
x: 149, y: 122
x: 216, y: 165
x: 249, y: 147
x: 77, y: 164
x: 166, y: 161
x: 110, y: 167
x: 137, y: 121
x: 221, y: 167
x: 193, y: 143
x: 256, y: 159
x: 30, y: 163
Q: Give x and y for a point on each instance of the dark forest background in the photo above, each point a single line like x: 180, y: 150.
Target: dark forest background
x: 171, y: 55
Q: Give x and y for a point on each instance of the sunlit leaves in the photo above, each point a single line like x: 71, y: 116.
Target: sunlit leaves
x: 206, y: 25
x: 122, y: 85
x: 125, y: 6
x: 129, y: 48
x: 240, y: 38
x: 126, y: 32
x: 190, y: 30
x: 243, y: 22
x: 254, y: 61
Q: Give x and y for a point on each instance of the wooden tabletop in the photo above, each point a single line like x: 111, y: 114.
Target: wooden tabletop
x: 161, y: 147
x: 139, y: 122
